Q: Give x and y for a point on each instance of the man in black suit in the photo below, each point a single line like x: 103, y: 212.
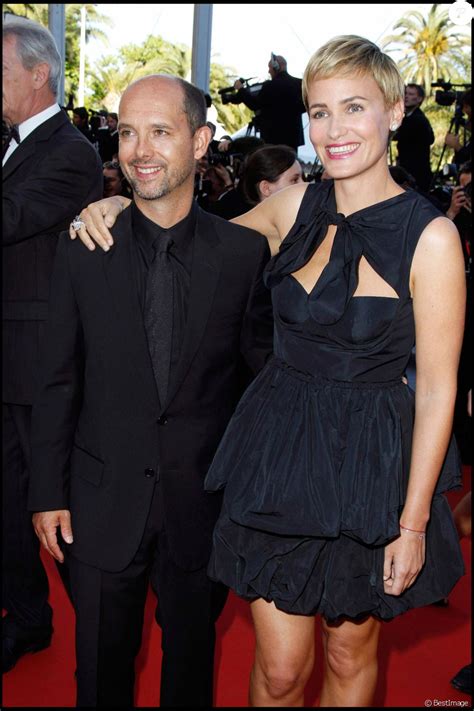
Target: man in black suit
x: 49, y: 173
x: 278, y: 105
x: 136, y: 394
x: 414, y: 138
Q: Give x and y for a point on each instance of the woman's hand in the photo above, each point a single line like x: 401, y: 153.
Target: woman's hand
x: 404, y: 558
x: 97, y: 218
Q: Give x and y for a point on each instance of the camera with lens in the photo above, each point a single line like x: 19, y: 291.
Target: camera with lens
x: 225, y: 158
x: 445, y: 96
x: 230, y: 95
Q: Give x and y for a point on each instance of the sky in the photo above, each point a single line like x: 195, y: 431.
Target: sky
x: 244, y: 35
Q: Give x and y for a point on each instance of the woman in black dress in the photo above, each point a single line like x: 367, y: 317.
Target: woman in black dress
x: 333, y: 470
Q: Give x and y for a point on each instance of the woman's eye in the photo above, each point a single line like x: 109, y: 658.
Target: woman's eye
x: 354, y: 108
x: 318, y: 114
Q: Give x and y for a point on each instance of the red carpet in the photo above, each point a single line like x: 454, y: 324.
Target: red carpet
x: 419, y: 653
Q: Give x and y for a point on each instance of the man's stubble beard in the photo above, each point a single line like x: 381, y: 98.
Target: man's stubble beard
x: 169, y: 184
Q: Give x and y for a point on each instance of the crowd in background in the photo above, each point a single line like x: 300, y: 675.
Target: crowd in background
x: 233, y: 177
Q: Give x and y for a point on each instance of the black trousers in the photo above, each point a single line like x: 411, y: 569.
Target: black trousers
x: 25, y: 583
x: 109, y: 620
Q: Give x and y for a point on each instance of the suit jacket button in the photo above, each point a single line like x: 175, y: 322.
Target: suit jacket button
x: 149, y: 473
x: 162, y: 420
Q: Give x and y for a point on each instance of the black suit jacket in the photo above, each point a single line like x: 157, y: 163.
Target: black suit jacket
x: 279, y: 106
x: 98, y: 428
x: 50, y: 177
x: 414, y: 138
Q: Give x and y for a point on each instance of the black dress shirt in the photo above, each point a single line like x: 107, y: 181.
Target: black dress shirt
x: 181, y: 255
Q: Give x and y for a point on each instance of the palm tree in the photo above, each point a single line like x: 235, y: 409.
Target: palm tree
x: 433, y: 47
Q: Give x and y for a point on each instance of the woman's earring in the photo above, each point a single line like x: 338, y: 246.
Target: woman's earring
x: 393, y: 126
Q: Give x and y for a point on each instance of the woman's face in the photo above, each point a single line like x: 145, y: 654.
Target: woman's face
x: 349, y: 124
x: 292, y: 176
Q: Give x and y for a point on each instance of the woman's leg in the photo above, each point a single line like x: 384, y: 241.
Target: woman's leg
x: 284, y: 656
x: 350, y: 675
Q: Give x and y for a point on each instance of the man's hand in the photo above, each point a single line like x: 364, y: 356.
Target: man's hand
x: 458, y: 200
x: 452, y: 141
x: 224, y: 174
x: 45, y: 524
x: 97, y: 217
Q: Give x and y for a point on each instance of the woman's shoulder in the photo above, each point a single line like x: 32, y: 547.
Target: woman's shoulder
x: 296, y: 203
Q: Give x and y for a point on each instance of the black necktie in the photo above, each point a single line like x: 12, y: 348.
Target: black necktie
x: 158, y: 314
x: 10, y: 132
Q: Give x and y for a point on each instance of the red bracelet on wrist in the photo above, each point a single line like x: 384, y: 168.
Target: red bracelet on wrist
x: 421, y: 534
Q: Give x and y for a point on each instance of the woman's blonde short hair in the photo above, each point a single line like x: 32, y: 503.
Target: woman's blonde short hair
x: 353, y: 55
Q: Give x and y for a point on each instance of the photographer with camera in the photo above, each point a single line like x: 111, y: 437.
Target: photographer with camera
x: 462, y: 150
x: 414, y: 138
x: 278, y: 104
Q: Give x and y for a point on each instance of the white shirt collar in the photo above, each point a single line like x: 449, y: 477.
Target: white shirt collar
x: 33, y: 122
x: 28, y: 126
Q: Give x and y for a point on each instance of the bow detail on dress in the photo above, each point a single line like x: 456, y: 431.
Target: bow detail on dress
x: 370, y: 232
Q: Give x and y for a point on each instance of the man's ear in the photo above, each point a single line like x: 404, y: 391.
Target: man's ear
x: 202, y: 139
x: 41, y: 74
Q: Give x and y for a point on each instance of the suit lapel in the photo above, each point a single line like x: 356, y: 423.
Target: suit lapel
x: 205, y: 271
x: 128, y: 327
x: 29, y: 145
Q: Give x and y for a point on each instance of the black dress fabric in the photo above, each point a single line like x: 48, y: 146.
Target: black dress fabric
x: 315, y: 460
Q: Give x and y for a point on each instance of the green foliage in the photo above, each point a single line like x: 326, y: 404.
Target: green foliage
x: 113, y: 74
x: 434, y: 48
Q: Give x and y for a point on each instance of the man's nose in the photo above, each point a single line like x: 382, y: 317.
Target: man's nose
x: 143, y: 148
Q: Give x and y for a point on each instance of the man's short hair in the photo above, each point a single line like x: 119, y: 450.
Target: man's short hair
x: 351, y: 55
x: 34, y: 44
x: 194, y: 105
x: 419, y: 88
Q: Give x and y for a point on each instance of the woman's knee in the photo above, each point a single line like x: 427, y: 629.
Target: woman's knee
x: 283, y: 676
x: 348, y: 655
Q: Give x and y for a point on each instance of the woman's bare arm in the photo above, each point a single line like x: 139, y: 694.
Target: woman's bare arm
x: 273, y: 218
x: 97, y: 218
x: 439, y: 292
x: 439, y: 298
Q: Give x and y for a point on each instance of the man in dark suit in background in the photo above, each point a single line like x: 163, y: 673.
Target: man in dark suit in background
x: 49, y: 173
x: 142, y: 371
x: 414, y: 138
x: 278, y: 105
